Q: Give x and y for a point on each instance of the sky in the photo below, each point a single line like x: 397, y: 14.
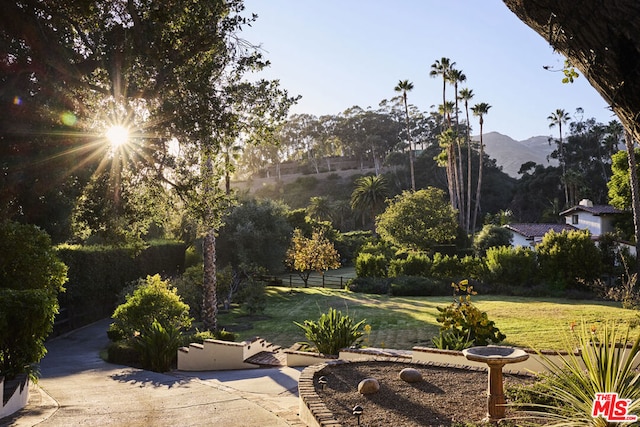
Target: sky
x: 340, y: 53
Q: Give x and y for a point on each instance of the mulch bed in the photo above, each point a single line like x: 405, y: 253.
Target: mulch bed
x: 445, y: 397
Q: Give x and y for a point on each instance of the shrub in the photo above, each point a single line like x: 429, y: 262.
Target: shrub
x: 450, y: 340
x: 152, y: 301
x: 473, y: 267
x: 491, y: 236
x: 415, y: 264
x: 446, y: 267
x: 31, y: 276
x: 200, y: 336
x: 253, y: 297
x: 606, y: 364
x: 332, y: 332
x: 569, y: 258
x: 465, y: 321
x: 368, y: 285
x: 158, y: 346
x: 418, y: 286
x: 370, y: 265
x: 511, y: 266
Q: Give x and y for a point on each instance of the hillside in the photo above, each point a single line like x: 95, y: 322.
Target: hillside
x: 511, y: 154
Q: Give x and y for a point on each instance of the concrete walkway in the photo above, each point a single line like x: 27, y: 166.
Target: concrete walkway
x: 77, y: 387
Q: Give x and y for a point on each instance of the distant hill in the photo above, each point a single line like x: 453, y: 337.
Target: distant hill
x: 511, y: 154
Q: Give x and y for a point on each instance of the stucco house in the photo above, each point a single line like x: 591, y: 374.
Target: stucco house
x: 598, y: 219
x: 530, y: 234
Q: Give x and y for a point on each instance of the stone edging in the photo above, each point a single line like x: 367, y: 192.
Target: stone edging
x: 314, y: 413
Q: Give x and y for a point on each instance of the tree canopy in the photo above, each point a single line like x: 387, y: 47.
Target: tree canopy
x: 419, y: 220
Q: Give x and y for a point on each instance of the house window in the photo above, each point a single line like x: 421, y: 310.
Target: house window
x: 574, y: 219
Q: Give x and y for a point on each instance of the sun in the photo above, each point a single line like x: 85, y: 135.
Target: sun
x: 117, y: 135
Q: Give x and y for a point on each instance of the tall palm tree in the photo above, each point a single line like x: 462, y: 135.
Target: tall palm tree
x: 558, y: 118
x: 441, y: 68
x: 465, y: 96
x: 480, y: 110
x: 405, y: 86
x: 446, y: 141
x: 455, y: 77
x: 369, y: 195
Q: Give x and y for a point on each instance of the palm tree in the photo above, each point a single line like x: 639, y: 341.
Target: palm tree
x: 479, y: 110
x: 320, y: 208
x: 465, y: 96
x: 558, y: 118
x: 446, y: 141
x: 454, y: 77
x: 405, y: 86
x: 441, y: 68
x: 369, y: 195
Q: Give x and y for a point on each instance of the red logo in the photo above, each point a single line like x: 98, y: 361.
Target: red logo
x: 611, y: 408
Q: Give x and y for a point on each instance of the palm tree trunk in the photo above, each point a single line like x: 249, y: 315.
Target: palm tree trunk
x: 468, y: 213
x: 635, y: 193
x: 480, y: 164
x: 209, y: 285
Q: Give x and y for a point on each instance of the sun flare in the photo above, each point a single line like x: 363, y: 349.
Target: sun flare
x: 117, y: 135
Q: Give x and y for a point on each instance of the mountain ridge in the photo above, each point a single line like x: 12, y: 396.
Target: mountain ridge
x: 511, y: 154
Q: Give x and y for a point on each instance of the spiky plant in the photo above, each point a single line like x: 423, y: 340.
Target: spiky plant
x: 606, y: 362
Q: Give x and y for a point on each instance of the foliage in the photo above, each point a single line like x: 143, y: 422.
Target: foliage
x: 153, y: 300
x: 415, y: 264
x: 605, y: 364
x: 332, y: 331
x: 368, y: 285
x: 97, y: 274
x: 567, y: 258
x: 446, y: 267
x: 31, y: 276
x: 369, y: 195
x: 253, y: 297
x: 158, y: 346
x: 627, y: 292
x: 465, y: 320
x: 618, y: 185
x: 491, y: 236
x: 255, y: 232
x: 200, y: 336
x: 451, y: 340
x: 311, y: 254
x: 418, y: 220
x: 370, y: 265
x: 511, y: 266
x: 349, y: 244
x: 418, y: 286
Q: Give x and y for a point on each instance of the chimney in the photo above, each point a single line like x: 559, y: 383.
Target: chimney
x: 586, y: 202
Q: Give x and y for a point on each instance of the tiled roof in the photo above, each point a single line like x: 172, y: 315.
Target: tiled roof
x: 531, y: 230
x: 595, y: 210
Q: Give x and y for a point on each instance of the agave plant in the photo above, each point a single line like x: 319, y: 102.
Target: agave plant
x: 332, y: 331
x: 606, y: 362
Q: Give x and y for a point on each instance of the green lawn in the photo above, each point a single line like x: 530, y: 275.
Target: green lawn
x: 403, y: 322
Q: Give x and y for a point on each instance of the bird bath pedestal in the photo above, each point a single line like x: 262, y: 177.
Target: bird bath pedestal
x: 495, y: 357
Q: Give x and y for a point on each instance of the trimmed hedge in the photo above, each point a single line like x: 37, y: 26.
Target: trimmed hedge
x: 97, y: 274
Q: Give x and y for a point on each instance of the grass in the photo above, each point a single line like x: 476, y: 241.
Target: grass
x: 404, y: 322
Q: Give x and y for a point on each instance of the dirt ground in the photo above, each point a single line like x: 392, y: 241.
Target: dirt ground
x: 445, y: 397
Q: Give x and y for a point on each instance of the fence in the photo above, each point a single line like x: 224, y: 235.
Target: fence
x: 295, y: 281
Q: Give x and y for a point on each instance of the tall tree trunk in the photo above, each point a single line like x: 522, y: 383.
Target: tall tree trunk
x: 468, y: 213
x: 209, y: 284
x: 406, y: 118
x: 480, y: 167
x: 635, y: 193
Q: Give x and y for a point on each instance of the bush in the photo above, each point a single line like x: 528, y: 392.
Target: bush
x: 200, y: 336
x: 491, y: 236
x: 31, y: 276
x: 152, y: 301
x: 465, y: 321
x: 332, y: 332
x: 368, y: 285
x: 158, y: 346
x: 418, y: 286
x: 415, y: 264
x: 253, y: 297
x: 370, y: 265
x: 569, y: 259
x: 511, y: 266
x: 446, y: 267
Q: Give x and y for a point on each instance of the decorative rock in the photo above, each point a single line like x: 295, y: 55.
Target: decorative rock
x: 369, y: 386
x: 410, y: 375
